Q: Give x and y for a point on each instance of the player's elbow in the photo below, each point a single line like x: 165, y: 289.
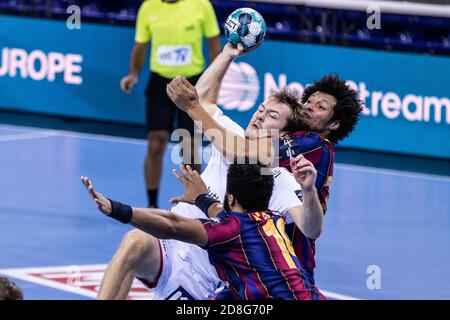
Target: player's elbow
x: 312, y: 228
x: 175, y: 228
x: 169, y: 230
x: 172, y: 231
x: 314, y: 232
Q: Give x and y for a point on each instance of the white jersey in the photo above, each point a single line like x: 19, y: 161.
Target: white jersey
x: 186, y: 271
x: 285, y: 190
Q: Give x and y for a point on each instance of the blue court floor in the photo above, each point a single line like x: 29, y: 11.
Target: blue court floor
x: 396, y: 223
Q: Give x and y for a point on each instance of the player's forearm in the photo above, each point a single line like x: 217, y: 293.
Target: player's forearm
x: 230, y: 144
x: 155, y: 222
x: 208, y: 86
x: 165, y: 225
x: 309, y: 219
x: 137, y: 59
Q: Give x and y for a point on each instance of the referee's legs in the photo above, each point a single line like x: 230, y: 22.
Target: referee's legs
x: 157, y: 143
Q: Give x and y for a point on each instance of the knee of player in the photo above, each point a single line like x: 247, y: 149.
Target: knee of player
x: 135, y: 245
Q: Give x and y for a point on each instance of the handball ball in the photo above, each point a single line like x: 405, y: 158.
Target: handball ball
x: 247, y: 26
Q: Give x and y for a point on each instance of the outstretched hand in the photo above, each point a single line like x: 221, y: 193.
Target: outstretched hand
x: 192, y: 182
x: 304, y: 172
x: 182, y: 93
x: 103, y: 204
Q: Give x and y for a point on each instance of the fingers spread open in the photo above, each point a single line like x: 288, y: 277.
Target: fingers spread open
x: 191, y: 172
x: 186, y: 173
x: 179, y: 177
x: 196, y: 176
x: 93, y: 193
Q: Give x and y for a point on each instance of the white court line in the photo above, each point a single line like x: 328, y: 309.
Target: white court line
x: 93, y: 136
x: 409, y: 174
x: 28, y: 136
x: 81, y: 135
x: 19, y: 128
x: 51, y: 268
x: 337, y: 296
x: 99, y: 137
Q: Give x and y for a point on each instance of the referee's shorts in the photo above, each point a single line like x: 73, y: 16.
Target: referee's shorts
x: 162, y: 113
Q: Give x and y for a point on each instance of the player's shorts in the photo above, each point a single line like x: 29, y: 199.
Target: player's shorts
x: 162, y: 113
x: 185, y: 274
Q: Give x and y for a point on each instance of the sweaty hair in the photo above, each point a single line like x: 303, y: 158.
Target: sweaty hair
x: 347, y: 109
x: 251, y: 189
x: 286, y: 97
x: 9, y: 290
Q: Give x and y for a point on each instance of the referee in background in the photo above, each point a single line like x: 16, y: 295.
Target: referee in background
x: 176, y: 29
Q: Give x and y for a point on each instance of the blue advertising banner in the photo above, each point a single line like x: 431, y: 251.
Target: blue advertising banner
x: 45, y: 67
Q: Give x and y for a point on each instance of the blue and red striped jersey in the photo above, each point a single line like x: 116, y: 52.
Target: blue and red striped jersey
x: 321, y: 153
x: 317, y: 150
x: 253, y: 254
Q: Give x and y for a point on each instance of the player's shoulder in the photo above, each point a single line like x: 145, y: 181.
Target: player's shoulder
x: 225, y: 225
x: 307, y: 139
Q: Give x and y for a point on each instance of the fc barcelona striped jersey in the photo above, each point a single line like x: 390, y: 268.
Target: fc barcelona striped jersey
x: 252, y: 253
x: 321, y: 153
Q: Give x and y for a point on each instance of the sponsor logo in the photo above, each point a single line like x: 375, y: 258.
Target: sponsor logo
x: 240, y: 91
x: 240, y: 87
x: 174, y: 55
x: 180, y: 294
x: 391, y: 105
x: 39, y: 65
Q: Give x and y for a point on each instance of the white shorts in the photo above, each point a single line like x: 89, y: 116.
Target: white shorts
x: 186, y: 273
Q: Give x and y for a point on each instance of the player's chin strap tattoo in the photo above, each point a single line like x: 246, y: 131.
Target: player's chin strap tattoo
x: 204, y: 201
x: 121, y: 212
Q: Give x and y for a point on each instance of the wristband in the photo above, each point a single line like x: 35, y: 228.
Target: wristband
x: 121, y: 212
x: 204, y: 201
